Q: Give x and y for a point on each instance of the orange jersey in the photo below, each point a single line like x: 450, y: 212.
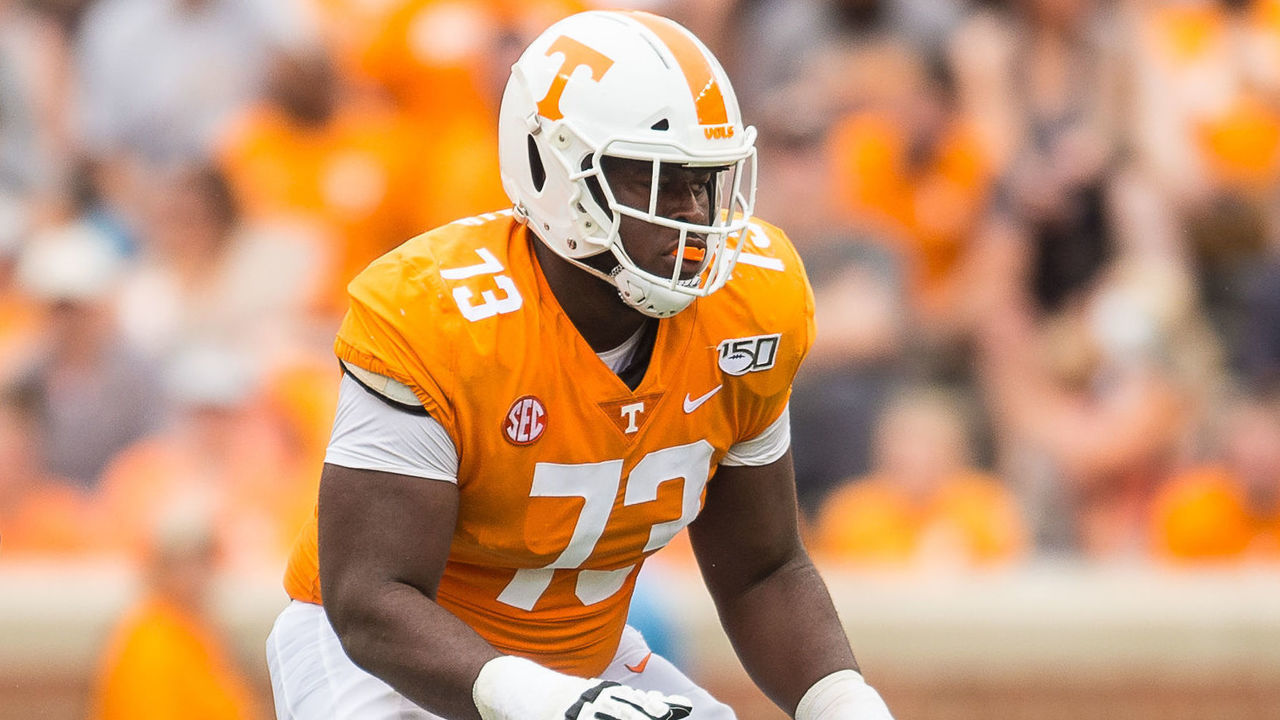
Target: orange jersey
x: 348, y: 179
x: 1203, y: 514
x: 162, y: 662
x: 568, y: 478
x: 970, y: 518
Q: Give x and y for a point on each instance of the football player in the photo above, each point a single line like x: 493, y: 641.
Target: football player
x: 536, y: 400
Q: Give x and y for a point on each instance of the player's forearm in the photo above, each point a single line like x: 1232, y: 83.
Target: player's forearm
x: 422, y: 650
x: 785, y: 630
x: 432, y: 658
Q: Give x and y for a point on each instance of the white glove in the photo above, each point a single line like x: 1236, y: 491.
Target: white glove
x: 512, y: 688
x: 610, y: 701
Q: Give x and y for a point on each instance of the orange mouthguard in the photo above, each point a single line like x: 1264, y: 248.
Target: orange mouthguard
x: 694, y: 253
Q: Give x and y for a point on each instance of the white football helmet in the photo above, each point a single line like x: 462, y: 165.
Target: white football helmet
x: 633, y: 85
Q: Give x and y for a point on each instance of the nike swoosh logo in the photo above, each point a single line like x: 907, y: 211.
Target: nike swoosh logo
x: 674, y: 711
x: 693, y: 404
x: 640, y: 666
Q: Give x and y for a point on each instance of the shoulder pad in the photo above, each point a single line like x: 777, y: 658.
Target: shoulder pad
x: 389, y: 388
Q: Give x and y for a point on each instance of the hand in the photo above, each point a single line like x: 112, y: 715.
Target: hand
x: 513, y: 688
x: 611, y: 701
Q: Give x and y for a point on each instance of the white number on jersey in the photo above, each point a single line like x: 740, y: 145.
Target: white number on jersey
x: 490, y: 304
x: 757, y: 237
x: 597, y: 484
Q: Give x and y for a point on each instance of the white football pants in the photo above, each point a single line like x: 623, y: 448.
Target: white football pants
x: 313, y: 679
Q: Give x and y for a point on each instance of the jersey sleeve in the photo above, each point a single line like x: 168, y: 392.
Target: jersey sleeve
x: 773, y: 308
x: 393, y: 327
x: 764, y: 448
x: 371, y: 434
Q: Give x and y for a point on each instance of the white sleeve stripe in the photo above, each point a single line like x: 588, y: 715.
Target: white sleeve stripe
x: 368, y: 434
x: 392, y: 389
x: 764, y: 448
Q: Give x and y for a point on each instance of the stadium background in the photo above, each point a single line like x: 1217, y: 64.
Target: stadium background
x: 1037, y: 443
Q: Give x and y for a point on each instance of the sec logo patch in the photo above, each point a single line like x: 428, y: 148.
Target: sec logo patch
x: 525, y: 421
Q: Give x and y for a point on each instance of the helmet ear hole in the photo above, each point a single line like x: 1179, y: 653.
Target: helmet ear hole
x: 536, y: 168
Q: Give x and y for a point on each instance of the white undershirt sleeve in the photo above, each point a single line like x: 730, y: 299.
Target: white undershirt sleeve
x: 369, y: 434
x: 764, y: 448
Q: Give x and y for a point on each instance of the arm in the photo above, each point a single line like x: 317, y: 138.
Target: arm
x: 748, y: 546
x: 384, y: 540
x: 747, y: 542
x: 380, y: 564
x: 380, y: 595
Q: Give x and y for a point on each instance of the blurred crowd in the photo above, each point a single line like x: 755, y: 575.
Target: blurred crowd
x: 1044, y: 238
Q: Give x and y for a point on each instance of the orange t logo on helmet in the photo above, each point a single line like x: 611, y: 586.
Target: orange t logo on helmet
x: 576, y: 55
x: 708, y: 99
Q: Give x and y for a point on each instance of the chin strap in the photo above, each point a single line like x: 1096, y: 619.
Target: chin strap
x: 640, y: 293
x: 647, y: 296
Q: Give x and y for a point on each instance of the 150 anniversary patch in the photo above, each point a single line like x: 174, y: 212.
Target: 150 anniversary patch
x: 739, y: 356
